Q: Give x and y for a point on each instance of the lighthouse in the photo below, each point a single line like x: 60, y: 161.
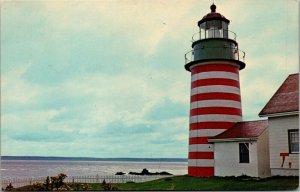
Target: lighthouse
x: 215, y: 105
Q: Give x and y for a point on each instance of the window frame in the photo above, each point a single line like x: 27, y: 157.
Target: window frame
x: 241, y: 159
x: 289, y: 140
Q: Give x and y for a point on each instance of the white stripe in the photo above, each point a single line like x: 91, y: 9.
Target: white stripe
x: 215, y: 88
x: 201, y: 148
x: 215, y: 74
x: 216, y: 103
x: 201, y: 162
x: 214, y: 118
x: 206, y: 132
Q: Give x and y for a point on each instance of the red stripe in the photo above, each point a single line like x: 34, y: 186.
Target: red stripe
x: 211, y: 125
x: 201, y: 171
x: 215, y: 95
x: 215, y: 81
x: 215, y: 67
x: 198, y: 140
x: 216, y: 110
x: 201, y: 155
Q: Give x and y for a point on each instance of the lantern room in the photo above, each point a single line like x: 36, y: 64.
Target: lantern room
x: 214, y: 25
x: 214, y: 41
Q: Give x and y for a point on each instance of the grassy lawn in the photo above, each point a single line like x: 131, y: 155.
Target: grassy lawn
x: 194, y: 183
x: 214, y: 183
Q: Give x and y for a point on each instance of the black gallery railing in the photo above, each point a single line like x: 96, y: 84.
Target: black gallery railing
x: 219, y: 53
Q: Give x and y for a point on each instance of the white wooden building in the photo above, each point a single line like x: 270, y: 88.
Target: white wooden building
x: 263, y: 148
x: 282, y: 111
x: 243, y: 150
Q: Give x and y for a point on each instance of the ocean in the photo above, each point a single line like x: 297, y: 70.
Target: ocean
x: 36, y: 167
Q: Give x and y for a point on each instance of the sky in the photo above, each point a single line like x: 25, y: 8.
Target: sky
x: 106, y: 78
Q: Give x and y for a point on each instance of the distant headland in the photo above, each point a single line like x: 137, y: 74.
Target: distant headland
x: 92, y: 159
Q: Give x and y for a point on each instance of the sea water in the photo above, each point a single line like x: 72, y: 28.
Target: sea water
x: 42, y: 168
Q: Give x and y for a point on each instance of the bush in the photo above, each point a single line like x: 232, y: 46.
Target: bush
x: 58, y: 181
x: 47, y: 184
x: 9, y: 187
x: 86, y: 187
x: 108, y: 187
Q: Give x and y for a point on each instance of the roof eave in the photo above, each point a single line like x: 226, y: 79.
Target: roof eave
x: 279, y: 114
x: 205, y: 19
x: 232, y: 139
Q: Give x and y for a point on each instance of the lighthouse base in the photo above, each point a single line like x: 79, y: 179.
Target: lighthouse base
x: 201, y: 171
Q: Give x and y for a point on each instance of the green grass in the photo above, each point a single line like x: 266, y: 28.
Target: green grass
x: 200, y: 184
x: 214, y: 183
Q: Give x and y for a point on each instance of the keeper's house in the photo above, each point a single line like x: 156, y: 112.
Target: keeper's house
x: 283, y: 118
x: 263, y: 148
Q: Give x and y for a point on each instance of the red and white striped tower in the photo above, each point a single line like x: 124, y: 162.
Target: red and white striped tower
x: 215, y: 106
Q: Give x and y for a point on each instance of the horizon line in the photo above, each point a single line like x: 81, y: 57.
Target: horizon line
x: 3, y: 157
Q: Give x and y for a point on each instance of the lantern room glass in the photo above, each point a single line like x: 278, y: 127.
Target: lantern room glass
x: 214, y: 29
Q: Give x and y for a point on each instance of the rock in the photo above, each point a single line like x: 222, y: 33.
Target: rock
x: 146, y: 172
x: 164, y: 173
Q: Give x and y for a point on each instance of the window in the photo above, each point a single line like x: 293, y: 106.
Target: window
x: 214, y: 32
x: 293, y: 141
x: 244, y: 152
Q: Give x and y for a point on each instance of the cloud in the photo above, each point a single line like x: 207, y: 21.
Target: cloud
x: 166, y: 109
x: 90, y: 107
x: 32, y: 126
